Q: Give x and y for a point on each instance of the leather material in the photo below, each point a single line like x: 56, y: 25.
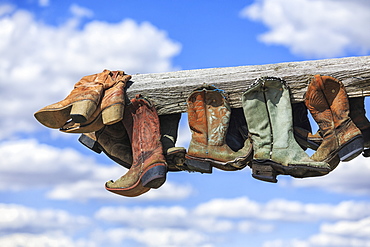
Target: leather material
x: 209, y: 116
x: 113, y: 141
x: 142, y: 126
x: 113, y: 97
x: 328, y: 104
x: 268, y: 112
x: 83, y: 100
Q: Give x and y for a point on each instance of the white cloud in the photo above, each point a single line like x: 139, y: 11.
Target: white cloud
x: 283, y: 210
x: 163, y: 237
x: 20, y: 219
x: 341, y: 233
x: 42, y: 240
x: 314, y: 28
x: 67, y: 174
x: 44, y: 3
x: 40, y: 63
x: 349, y: 178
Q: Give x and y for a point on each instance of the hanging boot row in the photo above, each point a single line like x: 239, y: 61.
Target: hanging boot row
x: 269, y: 133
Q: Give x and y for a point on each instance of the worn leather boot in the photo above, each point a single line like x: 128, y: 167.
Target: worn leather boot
x: 113, y: 141
x: 268, y: 112
x: 149, y: 167
x: 209, y: 116
x: 327, y: 101
x: 81, y: 103
x: 358, y: 115
x: 109, y: 111
x: 175, y: 156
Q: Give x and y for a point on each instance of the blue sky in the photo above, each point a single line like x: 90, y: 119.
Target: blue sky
x: 52, y: 188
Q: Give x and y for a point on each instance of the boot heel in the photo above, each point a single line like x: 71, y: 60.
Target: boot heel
x: 154, y: 177
x: 90, y: 143
x: 351, y: 150
x: 113, y: 114
x: 82, y: 110
x: 263, y: 171
x: 198, y: 166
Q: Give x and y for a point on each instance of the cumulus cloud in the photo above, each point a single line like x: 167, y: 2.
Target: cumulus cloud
x: 67, y: 174
x: 283, y: 210
x: 40, y: 63
x: 348, y: 178
x: 314, y: 28
x: 20, y: 219
x: 341, y: 233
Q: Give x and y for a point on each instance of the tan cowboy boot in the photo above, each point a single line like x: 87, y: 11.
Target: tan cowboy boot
x: 149, y: 168
x: 209, y: 116
x: 81, y: 103
x: 109, y: 111
x: 327, y: 101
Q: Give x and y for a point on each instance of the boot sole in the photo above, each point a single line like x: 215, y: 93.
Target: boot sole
x: 262, y: 170
x: 351, y: 149
x: 97, y: 148
x: 267, y: 170
x: 197, y: 165
x: 154, y: 177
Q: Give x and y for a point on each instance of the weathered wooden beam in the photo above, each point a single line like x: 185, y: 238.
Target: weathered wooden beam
x: 170, y: 90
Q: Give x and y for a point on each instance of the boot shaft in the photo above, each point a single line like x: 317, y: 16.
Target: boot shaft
x: 142, y: 125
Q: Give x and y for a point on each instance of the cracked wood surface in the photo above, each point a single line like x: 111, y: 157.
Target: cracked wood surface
x: 169, y: 91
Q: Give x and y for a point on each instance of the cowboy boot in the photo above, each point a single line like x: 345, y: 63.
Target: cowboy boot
x: 113, y: 141
x: 81, y: 103
x: 268, y: 112
x: 327, y: 101
x: 175, y: 156
x: 209, y: 116
x: 109, y: 111
x: 358, y: 115
x: 149, y: 168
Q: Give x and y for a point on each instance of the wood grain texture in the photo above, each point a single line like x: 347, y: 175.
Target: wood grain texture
x: 169, y: 91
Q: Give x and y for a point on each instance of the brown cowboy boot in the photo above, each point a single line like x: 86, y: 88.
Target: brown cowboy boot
x: 113, y: 141
x: 327, y: 101
x: 109, y: 111
x: 81, y: 103
x: 358, y: 115
x: 149, y: 167
x: 209, y: 116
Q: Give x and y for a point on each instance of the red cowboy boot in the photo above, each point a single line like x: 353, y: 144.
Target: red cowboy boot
x: 149, y: 168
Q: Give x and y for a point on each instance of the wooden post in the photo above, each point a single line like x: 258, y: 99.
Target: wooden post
x: 170, y: 90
